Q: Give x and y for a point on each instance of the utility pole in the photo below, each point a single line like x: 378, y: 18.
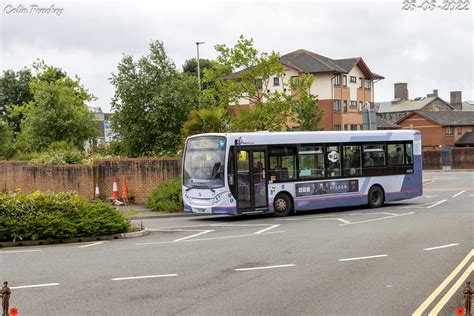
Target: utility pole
x: 199, y: 68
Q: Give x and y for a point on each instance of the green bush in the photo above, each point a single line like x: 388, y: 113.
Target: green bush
x: 60, y: 153
x: 56, y: 216
x: 167, y: 197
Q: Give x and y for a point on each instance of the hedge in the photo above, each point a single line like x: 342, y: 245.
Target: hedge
x: 56, y: 216
x: 167, y: 197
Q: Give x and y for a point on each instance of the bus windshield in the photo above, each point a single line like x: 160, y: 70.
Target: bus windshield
x: 204, y: 162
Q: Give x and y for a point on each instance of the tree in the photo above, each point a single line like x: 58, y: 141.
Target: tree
x: 14, y: 91
x: 206, y: 120
x: 152, y: 100
x: 6, y: 140
x: 58, y: 111
x: 242, y: 73
x: 190, y: 66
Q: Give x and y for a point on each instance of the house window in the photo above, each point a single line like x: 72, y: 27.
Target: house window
x: 337, y: 80
x: 353, y: 127
x: 360, y: 83
x: 459, y: 130
x: 337, y: 105
x: 361, y: 127
x: 344, y: 81
x: 337, y: 127
x: 353, y: 79
x: 258, y: 84
x: 360, y: 106
x: 345, y: 105
x: 449, y: 130
x: 367, y: 84
x: 276, y: 81
x: 354, y: 103
x: 346, y: 127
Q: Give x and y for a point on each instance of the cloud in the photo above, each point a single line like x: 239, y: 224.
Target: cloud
x: 429, y: 50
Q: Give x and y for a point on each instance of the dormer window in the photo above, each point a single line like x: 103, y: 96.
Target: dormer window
x: 276, y: 81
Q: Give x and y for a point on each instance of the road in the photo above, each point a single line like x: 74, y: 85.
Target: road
x: 356, y: 261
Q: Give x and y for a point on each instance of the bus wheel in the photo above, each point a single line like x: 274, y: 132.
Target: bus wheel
x: 376, y: 196
x: 282, y: 205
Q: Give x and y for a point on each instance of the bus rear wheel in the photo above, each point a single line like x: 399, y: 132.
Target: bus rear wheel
x: 282, y: 205
x: 376, y: 197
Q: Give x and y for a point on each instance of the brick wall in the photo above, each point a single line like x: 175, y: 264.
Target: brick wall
x: 143, y: 175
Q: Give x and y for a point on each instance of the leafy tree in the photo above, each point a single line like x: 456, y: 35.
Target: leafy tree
x: 151, y: 102
x: 58, y: 111
x: 14, y: 91
x: 190, y: 66
x: 6, y: 140
x: 206, y: 120
x: 242, y: 73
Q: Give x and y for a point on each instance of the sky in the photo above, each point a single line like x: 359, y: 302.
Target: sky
x: 427, y: 49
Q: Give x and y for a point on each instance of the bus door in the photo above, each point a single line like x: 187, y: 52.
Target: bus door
x: 251, y: 179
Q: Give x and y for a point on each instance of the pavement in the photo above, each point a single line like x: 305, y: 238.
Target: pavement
x: 409, y: 257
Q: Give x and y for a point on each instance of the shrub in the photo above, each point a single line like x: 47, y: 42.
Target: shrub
x: 60, y: 153
x: 56, y: 216
x: 167, y: 197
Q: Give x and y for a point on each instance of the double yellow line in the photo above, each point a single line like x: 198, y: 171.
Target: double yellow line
x: 444, y: 284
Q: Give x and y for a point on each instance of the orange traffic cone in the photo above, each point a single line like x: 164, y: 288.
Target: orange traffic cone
x: 115, y: 194
x: 125, y: 190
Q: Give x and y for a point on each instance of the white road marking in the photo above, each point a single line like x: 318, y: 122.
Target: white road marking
x: 440, y: 247
x: 424, y: 205
x: 430, y: 196
x: 266, y: 229
x: 30, y: 286
x: 145, y: 277
x: 438, y: 203
x: 389, y: 286
x: 19, y: 251
x: 238, y: 225
x: 211, y: 238
x: 362, y: 258
x: 343, y: 220
x: 392, y: 214
x: 267, y: 267
x: 93, y: 244
x: 459, y: 193
x: 377, y: 219
x: 195, y: 235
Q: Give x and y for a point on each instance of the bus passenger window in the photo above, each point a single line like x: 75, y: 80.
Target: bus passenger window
x: 395, y: 154
x: 311, y: 162
x: 352, y: 161
x: 374, y: 155
x: 333, y: 161
x: 409, y: 154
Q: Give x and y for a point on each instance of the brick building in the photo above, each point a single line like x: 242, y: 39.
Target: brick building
x: 402, y: 106
x: 440, y: 129
x: 341, y: 85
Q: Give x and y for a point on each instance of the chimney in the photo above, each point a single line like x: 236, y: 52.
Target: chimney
x: 435, y: 92
x: 456, y: 100
x: 401, y: 90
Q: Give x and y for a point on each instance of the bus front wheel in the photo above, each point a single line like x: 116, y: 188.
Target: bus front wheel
x: 282, y: 205
x: 376, y: 196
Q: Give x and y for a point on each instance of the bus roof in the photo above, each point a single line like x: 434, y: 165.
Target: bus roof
x: 264, y: 137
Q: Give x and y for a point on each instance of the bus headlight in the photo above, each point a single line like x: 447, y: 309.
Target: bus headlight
x: 217, y: 198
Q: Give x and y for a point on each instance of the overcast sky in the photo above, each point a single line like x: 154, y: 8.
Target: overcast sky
x: 427, y: 49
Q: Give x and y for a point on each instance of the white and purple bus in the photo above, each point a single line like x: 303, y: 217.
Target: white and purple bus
x: 283, y: 172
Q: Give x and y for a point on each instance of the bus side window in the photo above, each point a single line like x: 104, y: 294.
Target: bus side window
x: 409, y: 154
x: 352, y: 161
x: 333, y: 161
x: 395, y: 154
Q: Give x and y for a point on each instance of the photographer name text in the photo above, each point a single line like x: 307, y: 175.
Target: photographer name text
x: 33, y: 9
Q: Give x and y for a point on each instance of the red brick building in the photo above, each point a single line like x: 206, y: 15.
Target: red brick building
x: 439, y: 129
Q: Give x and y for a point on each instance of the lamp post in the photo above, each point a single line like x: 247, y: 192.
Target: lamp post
x: 199, y: 68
